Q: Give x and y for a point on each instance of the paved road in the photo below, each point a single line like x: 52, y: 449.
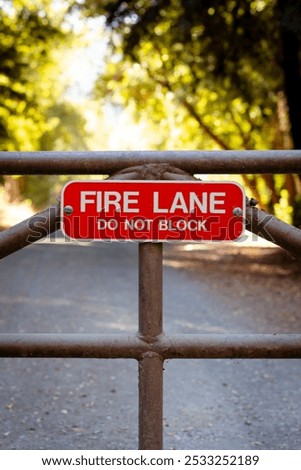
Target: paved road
x: 92, y: 404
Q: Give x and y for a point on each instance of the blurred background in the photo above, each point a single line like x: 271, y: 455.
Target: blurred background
x: 160, y: 74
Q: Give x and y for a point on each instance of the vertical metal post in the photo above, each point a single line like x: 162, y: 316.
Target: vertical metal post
x: 151, y: 365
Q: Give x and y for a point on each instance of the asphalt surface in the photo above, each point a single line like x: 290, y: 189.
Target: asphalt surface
x: 92, y: 404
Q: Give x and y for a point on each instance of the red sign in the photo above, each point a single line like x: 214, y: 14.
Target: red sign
x: 153, y: 210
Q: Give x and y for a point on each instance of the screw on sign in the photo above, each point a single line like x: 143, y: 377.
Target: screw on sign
x: 153, y: 210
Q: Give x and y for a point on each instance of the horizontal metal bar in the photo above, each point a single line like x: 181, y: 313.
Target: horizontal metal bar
x: 108, y: 162
x: 272, y: 229
x: 71, y: 345
x: 204, y: 346
x: 29, y: 231
x: 222, y: 346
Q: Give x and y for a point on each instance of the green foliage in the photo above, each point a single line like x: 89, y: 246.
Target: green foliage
x: 27, y: 37
x: 205, y: 74
x: 67, y: 130
x: 39, y: 190
x: 33, y: 114
x: 218, y: 61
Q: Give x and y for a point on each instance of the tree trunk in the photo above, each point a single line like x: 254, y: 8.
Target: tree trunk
x: 290, y: 31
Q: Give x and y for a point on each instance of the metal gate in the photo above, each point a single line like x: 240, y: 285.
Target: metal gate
x: 150, y: 347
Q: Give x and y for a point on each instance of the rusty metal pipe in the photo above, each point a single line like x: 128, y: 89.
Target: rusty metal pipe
x: 71, y: 345
x: 272, y: 229
x: 150, y: 291
x: 108, y: 162
x: 185, y: 346
x: 29, y: 231
x: 150, y: 331
x: 151, y: 402
x: 223, y: 346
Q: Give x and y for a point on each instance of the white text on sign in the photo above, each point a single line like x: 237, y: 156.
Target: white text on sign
x: 128, y: 202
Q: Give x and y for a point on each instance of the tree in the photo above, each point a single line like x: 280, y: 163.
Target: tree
x: 290, y: 34
x: 27, y: 38
x: 33, y: 114
x: 219, y: 67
